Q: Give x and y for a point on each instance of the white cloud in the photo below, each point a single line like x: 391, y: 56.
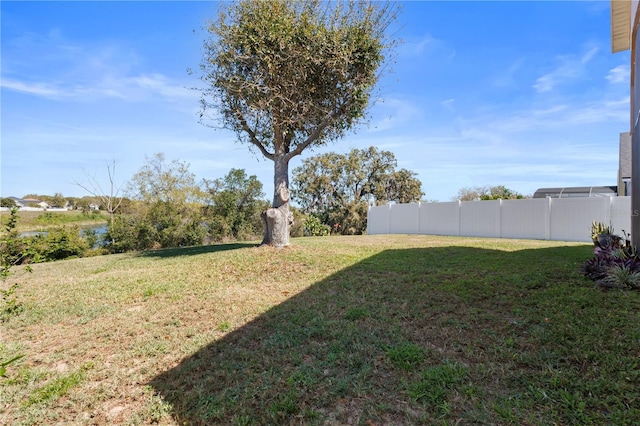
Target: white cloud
x: 426, y: 45
x: 619, y: 74
x: 448, y: 104
x: 545, y: 83
x: 37, y: 89
x: 563, y: 115
x: 394, y: 112
x: 589, y: 54
x: 53, y: 67
x: 570, y: 67
x: 133, y: 88
x: 417, y: 47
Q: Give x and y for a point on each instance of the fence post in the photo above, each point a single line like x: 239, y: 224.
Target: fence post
x: 459, y: 215
x: 547, y: 220
x: 500, y: 218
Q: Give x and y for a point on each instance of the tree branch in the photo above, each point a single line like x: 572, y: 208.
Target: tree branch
x: 252, y: 136
x: 318, y: 130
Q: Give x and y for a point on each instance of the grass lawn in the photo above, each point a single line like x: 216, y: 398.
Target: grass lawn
x: 371, y: 330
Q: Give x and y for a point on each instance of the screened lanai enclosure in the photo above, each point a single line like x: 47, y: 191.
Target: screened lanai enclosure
x: 577, y: 191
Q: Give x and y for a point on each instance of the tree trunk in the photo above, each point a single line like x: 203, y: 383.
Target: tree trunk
x: 278, y: 219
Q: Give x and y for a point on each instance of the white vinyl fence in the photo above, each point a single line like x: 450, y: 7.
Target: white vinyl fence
x: 563, y: 219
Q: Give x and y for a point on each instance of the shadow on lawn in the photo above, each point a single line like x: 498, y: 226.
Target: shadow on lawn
x: 322, y: 356
x: 195, y: 250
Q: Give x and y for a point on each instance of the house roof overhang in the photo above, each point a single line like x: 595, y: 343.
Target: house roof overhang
x: 620, y: 25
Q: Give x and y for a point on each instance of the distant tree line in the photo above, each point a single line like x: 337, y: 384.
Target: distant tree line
x: 486, y: 192
x: 163, y: 205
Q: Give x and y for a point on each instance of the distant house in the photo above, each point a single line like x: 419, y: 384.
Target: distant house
x: 29, y: 202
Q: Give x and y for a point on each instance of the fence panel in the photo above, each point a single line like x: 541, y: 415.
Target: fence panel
x: 378, y: 220
x: 571, y: 218
x: 480, y: 218
x: 404, y: 218
x: 525, y: 219
x: 563, y: 219
x: 440, y: 218
x: 619, y: 215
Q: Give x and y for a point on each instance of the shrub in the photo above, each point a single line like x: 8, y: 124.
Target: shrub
x: 621, y: 276
x: 175, y: 225
x: 615, y: 263
x: 129, y: 233
x: 11, y: 254
x: 602, y: 235
x: 57, y: 244
x: 162, y: 225
x: 299, y: 220
x: 92, y: 237
x: 314, y: 228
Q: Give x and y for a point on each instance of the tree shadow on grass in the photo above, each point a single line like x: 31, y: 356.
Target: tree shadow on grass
x: 324, y: 356
x: 195, y: 250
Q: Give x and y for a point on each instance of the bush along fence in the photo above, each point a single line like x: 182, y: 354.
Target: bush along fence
x: 615, y: 262
x: 562, y: 219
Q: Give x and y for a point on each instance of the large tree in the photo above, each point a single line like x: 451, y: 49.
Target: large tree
x: 287, y: 75
x: 338, y: 189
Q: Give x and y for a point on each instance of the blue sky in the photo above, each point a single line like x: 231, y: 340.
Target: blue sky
x: 521, y: 94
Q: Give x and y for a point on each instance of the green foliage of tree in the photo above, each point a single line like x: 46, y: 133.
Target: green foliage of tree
x: 286, y: 75
x: 338, y: 189
x: 160, y: 180
x: 129, y: 232
x: 7, y: 202
x: 175, y: 225
x: 237, y: 201
x: 58, y: 200
x: 403, y: 186
x: 164, y: 211
x: 487, y: 193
